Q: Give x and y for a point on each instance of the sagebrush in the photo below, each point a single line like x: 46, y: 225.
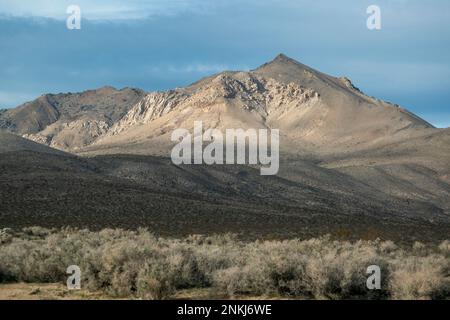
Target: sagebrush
x: 137, y: 264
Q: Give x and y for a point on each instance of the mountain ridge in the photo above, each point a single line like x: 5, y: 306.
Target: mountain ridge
x: 348, y: 163
x: 68, y: 121
x: 58, y: 121
x: 306, y: 105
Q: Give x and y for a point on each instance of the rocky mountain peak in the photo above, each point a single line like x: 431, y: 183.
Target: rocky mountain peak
x: 283, y: 93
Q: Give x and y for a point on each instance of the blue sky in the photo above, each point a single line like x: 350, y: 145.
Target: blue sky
x: 161, y: 44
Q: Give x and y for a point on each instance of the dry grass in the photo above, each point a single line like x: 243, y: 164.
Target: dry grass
x: 136, y: 264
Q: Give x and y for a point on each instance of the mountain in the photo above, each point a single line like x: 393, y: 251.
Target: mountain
x: 323, y: 120
x: 314, y: 112
x: 345, y: 115
x: 350, y: 164
x: 69, y: 121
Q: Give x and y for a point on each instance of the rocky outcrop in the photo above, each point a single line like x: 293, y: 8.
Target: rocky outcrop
x: 150, y: 107
x: 306, y: 105
x: 71, y: 135
x: 248, y: 92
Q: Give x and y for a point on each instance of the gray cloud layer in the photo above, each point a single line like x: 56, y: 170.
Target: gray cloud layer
x: 162, y: 44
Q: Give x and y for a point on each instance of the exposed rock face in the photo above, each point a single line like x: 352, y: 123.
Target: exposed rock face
x: 266, y: 98
x: 70, y: 135
x: 311, y: 109
x: 348, y: 83
x: 151, y: 106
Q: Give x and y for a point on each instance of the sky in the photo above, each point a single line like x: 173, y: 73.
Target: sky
x: 163, y: 44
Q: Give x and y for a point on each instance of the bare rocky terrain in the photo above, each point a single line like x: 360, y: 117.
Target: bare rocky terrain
x: 351, y: 165
x: 69, y: 121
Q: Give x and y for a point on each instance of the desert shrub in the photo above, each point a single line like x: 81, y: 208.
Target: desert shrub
x: 247, y: 279
x: 138, y: 264
x: 184, y: 266
x: 218, y: 239
x: 444, y: 248
x: 421, y: 278
x: 311, y: 269
x: 5, y: 235
x: 36, y: 232
x: 386, y: 247
x: 154, y: 282
x: 419, y: 249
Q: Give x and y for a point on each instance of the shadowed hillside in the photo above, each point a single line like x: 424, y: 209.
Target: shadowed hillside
x: 350, y: 165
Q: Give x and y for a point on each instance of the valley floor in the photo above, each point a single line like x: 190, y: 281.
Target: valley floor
x: 58, y: 291
x: 45, y: 291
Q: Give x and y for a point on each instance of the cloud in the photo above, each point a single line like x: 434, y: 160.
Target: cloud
x: 189, y: 68
x: 198, y: 68
x: 172, y: 43
x: 103, y: 10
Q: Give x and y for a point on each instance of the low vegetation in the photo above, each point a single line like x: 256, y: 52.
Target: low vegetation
x: 137, y: 264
